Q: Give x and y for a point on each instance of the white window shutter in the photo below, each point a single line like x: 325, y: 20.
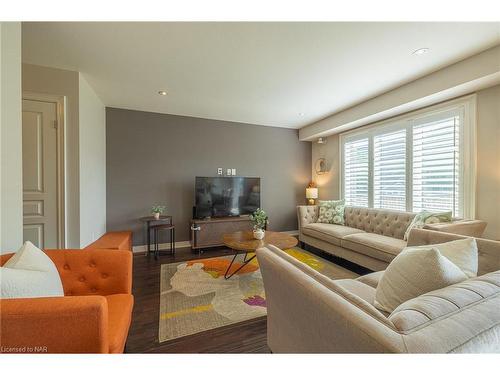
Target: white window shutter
x: 389, y: 170
x: 356, y: 169
x: 436, y: 164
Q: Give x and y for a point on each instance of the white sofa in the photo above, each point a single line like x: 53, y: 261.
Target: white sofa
x: 370, y: 237
x: 311, y: 313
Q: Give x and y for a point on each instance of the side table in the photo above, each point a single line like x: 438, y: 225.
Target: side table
x: 149, y: 222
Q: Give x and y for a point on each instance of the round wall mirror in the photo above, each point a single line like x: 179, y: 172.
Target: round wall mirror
x: 321, y: 166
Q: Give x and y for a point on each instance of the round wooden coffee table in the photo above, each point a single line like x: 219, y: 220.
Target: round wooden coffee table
x: 243, y: 242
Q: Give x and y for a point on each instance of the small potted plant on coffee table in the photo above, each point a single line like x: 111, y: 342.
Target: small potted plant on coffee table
x: 157, y: 211
x: 259, y: 220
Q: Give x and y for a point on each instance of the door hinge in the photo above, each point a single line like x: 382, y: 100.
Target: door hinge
x: 55, y: 124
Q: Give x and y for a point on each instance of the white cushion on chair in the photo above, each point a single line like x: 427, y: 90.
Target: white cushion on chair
x: 30, y: 273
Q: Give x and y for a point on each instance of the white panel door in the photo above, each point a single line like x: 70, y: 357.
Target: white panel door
x: 40, y: 173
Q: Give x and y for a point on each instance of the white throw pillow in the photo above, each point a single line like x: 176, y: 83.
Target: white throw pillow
x: 413, y: 272
x: 30, y: 273
x: 463, y: 253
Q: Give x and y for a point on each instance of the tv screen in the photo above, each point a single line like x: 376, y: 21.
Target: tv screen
x: 226, y: 196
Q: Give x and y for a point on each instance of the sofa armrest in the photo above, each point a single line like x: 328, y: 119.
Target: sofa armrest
x: 310, y: 313
x: 472, y: 228
x: 94, y: 272
x: 307, y: 215
x: 54, y: 325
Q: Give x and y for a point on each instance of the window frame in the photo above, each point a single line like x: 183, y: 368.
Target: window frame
x: 466, y: 107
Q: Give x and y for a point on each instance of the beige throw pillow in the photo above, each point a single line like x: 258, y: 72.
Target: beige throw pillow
x: 413, y: 272
x: 463, y: 253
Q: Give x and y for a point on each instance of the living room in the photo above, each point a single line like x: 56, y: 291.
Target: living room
x: 250, y: 187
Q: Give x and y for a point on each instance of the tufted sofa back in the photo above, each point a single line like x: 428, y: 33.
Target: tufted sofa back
x: 378, y: 221
x: 372, y: 220
x: 91, y: 272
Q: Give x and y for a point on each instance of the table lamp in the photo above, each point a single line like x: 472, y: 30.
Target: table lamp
x: 311, y: 195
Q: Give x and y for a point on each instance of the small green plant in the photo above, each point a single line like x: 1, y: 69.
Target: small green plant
x: 157, y: 209
x: 259, y: 219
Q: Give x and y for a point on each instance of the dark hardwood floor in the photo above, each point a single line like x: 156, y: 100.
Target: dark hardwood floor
x: 244, y: 337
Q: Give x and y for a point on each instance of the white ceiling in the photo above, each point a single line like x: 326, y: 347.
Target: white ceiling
x: 276, y: 74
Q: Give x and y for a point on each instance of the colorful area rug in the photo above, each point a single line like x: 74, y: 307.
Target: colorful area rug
x: 195, y: 297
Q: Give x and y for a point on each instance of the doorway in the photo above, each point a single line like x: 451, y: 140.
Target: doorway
x: 43, y: 170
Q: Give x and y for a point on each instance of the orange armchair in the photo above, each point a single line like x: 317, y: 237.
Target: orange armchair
x: 94, y: 315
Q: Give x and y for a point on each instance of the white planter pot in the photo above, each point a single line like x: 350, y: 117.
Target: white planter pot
x: 258, y: 234
x: 156, y: 215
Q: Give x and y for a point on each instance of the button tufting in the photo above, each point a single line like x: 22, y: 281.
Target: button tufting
x: 82, y: 279
x: 104, y: 275
x: 66, y: 267
x: 92, y: 264
x: 93, y: 290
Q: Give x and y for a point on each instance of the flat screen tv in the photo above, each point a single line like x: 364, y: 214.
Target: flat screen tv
x: 226, y: 196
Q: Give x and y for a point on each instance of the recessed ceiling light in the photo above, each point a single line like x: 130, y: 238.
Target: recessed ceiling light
x: 162, y: 93
x: 421, y: 51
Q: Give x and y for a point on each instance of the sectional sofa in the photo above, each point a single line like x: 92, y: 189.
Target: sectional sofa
x: 370, y: 237
x: 308, y: 312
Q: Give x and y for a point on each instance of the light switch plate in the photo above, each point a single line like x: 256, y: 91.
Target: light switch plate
x: 219, y: 171
x: 234, y: 171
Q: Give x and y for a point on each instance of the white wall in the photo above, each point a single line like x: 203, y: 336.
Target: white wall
x: 85, y: 150
x: 11, y: 137
x: 472, y: 74
x: 92, y: 125
x: 488, y: 162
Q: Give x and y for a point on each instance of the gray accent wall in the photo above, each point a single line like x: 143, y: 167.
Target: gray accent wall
x: 153, y: 158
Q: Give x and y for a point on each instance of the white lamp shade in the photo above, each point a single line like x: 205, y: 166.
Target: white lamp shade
x: 311, y: 193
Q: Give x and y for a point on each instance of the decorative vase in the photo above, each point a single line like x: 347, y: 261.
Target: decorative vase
x: 156, y: 215
x: 258, y: 234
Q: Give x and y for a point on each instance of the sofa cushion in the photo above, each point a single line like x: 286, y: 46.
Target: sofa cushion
x: 371, y: 279
x: 446, y: 301
x: 362, y: 290
x: 119, y: 317
x: 331, y: 233
x: 374, y: 245
x: 412, y: 273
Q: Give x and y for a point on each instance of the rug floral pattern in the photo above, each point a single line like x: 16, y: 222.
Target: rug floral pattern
x: 195, y: 297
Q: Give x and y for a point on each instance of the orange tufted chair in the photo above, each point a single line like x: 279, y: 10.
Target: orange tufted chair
x: 94, y: 315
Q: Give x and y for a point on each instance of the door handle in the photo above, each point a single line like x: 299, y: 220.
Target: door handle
x: 195, y: 227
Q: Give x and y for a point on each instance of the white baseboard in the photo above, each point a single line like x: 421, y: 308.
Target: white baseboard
x: 183, y: 244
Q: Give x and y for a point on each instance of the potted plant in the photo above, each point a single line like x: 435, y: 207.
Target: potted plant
x: 259, y: 220
x: 157, y: 211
